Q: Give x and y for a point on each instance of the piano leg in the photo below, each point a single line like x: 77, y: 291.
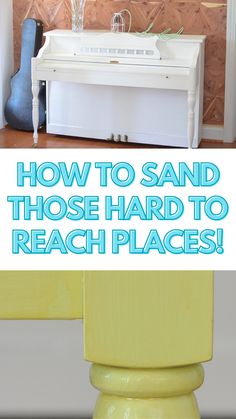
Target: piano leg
x: 191, y: 116
x: 35, y: 114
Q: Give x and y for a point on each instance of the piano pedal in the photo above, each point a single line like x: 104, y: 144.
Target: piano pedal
x: 117, y: 139
x: 111, y: 138
x: 124, y: 138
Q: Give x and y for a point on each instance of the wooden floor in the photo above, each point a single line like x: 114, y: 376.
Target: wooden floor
x: 10, y: 138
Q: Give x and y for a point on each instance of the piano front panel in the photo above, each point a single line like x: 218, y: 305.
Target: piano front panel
x: 144, y: 115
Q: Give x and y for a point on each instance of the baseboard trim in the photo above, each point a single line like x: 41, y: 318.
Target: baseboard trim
x: 213, y: 132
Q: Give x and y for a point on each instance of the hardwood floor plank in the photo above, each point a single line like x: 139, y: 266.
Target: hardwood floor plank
x: 10, y: 138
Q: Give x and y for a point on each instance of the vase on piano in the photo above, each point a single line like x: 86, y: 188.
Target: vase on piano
x: 77, y: 9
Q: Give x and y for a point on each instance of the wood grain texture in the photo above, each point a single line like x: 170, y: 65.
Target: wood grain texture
x: 148, y: 319
x: 197, y: 17
x: 10, y: 138
x: 41, y: 295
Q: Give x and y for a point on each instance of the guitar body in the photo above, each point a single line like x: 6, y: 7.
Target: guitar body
x: 18, y: 110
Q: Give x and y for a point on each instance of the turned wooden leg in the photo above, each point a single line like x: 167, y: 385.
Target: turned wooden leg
x: 35, y: 104
x: 146, y: 333
x: 191, y: 117
x: 35, y: 90
x: 147, y: 393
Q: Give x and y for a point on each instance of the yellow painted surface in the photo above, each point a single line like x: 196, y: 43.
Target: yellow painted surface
x: 147, y: 383
x: 143, y: 330
x: 41, y: 295
x: 112, y: 407
x: 146, y: 393
x: 148, y: 319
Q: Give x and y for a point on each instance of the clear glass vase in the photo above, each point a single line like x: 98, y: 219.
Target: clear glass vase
x: 77, y: 10
x: 117, y: 23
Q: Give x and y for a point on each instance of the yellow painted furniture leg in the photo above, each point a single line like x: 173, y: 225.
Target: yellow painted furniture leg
x: 165, y: 393
x: 146, y: 333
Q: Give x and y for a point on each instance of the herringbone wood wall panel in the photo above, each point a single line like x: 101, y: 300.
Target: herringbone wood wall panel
x: 197, y: 17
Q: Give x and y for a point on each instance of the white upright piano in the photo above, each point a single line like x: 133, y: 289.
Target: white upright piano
x: 123, y: 87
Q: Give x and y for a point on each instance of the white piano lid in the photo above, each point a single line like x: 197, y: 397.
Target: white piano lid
x: 92, y: 33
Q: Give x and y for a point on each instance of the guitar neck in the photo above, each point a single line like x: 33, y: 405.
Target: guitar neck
x: 31, y: 42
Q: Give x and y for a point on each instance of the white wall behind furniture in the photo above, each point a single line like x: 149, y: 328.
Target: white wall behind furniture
x: 217, y: 395
x: 230, y: 71
x: 42, y: 367
x: 6, y: 53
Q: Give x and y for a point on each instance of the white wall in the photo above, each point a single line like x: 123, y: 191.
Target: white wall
x: 217, y: 396
x: 6, y: 53
x: 42, y: 368
x: 230, y: 88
